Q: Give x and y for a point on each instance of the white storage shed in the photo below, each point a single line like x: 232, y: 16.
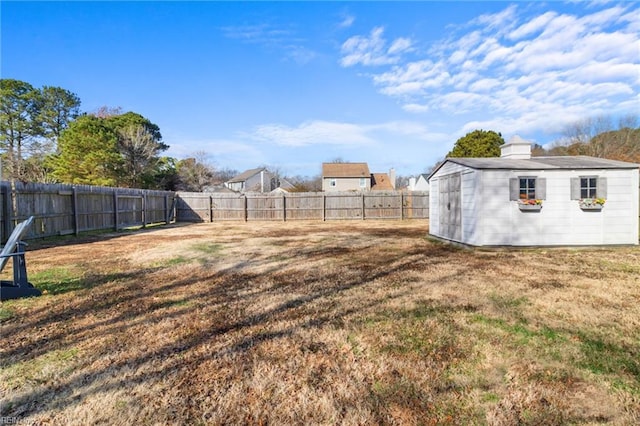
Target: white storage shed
x: 519, y: 200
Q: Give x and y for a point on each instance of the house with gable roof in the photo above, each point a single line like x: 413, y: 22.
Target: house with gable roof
x: 345, y: 177
x: 253, y: 180
x: 355, y: 177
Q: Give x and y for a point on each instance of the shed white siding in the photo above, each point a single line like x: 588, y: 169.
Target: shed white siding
x: 434, y: 204
x: 490, y: 218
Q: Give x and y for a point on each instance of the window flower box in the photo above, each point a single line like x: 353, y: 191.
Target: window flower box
x: 530, y: 205
x: 591, y: 203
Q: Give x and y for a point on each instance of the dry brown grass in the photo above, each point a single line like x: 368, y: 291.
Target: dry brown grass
x: 321, y: 323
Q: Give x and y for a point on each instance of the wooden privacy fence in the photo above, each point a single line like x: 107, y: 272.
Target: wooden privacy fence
x: 69, y: 209
x: 60, y: 209
x: 203, y: 207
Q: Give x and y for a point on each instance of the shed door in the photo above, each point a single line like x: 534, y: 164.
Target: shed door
x: 450, y: 207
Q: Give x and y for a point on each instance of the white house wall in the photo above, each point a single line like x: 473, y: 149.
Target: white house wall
x: 256, y: 183
x: 421, y: 184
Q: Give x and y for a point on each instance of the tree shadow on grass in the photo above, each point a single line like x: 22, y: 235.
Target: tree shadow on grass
x: 215, y: 293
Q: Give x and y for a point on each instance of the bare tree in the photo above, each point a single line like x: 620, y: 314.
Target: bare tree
x: 306, y: 183
x: 224, y: 174
x: 139, y: 151
x: 19, y: 127
x: 107, y: 112
x: 195, y: 173
x: 599, y: 137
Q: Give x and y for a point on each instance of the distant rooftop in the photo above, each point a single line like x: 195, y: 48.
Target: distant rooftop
x: 381, y: 182
x: 246, y: 175
x: 345, y: 170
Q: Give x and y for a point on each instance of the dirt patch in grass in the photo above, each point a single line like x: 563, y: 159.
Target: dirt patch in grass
x: 323, y: 323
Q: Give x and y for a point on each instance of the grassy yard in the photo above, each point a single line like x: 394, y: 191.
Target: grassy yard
x: 320, y: 323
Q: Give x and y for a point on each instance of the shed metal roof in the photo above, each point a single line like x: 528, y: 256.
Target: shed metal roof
x: 540, y: 163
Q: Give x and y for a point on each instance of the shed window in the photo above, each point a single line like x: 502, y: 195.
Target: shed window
x: 527, y: 188
x: 363, y: 182
x: 588, y: 187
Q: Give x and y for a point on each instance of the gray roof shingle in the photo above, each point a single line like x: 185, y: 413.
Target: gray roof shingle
x: 246, y: 175
x: 544, y: 163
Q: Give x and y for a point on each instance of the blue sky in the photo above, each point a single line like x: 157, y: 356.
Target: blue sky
x: 293, y: 84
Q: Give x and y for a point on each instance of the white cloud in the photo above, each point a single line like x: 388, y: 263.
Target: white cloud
x: 534, y: 71
x: 312, y: 133
x: 347, y: 21
x: 300, y: 54
x: 605, y: 71
x: 371, y: 50
x: 413, y: 78
x: 399, y: 45
x: 416, y: 108
x: 278, y: 39
x: 400, y: 128
x: 319, y: 132
x: 536, y: 24
x: 258, y: 33
x: 498, y: 20
x: 598, y: 20
x: 484, y: 85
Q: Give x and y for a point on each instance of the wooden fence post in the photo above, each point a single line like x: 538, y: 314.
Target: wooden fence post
x: 166, y: 209
x: 284, y: 208
x: 74, y: 206
x: 324, y: 207
x: 115, y: 209
x: 363, y: 207
x: 6, y: 213
x: 246, y: 208
x: 144, y: 210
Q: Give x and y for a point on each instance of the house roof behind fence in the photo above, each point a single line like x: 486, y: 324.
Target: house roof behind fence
x: 381, y: 182
x: 342, y: 170
x: 246, y: 175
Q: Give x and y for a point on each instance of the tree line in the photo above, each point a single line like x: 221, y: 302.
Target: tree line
x: 596, y: 137
x: 45, y: 137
